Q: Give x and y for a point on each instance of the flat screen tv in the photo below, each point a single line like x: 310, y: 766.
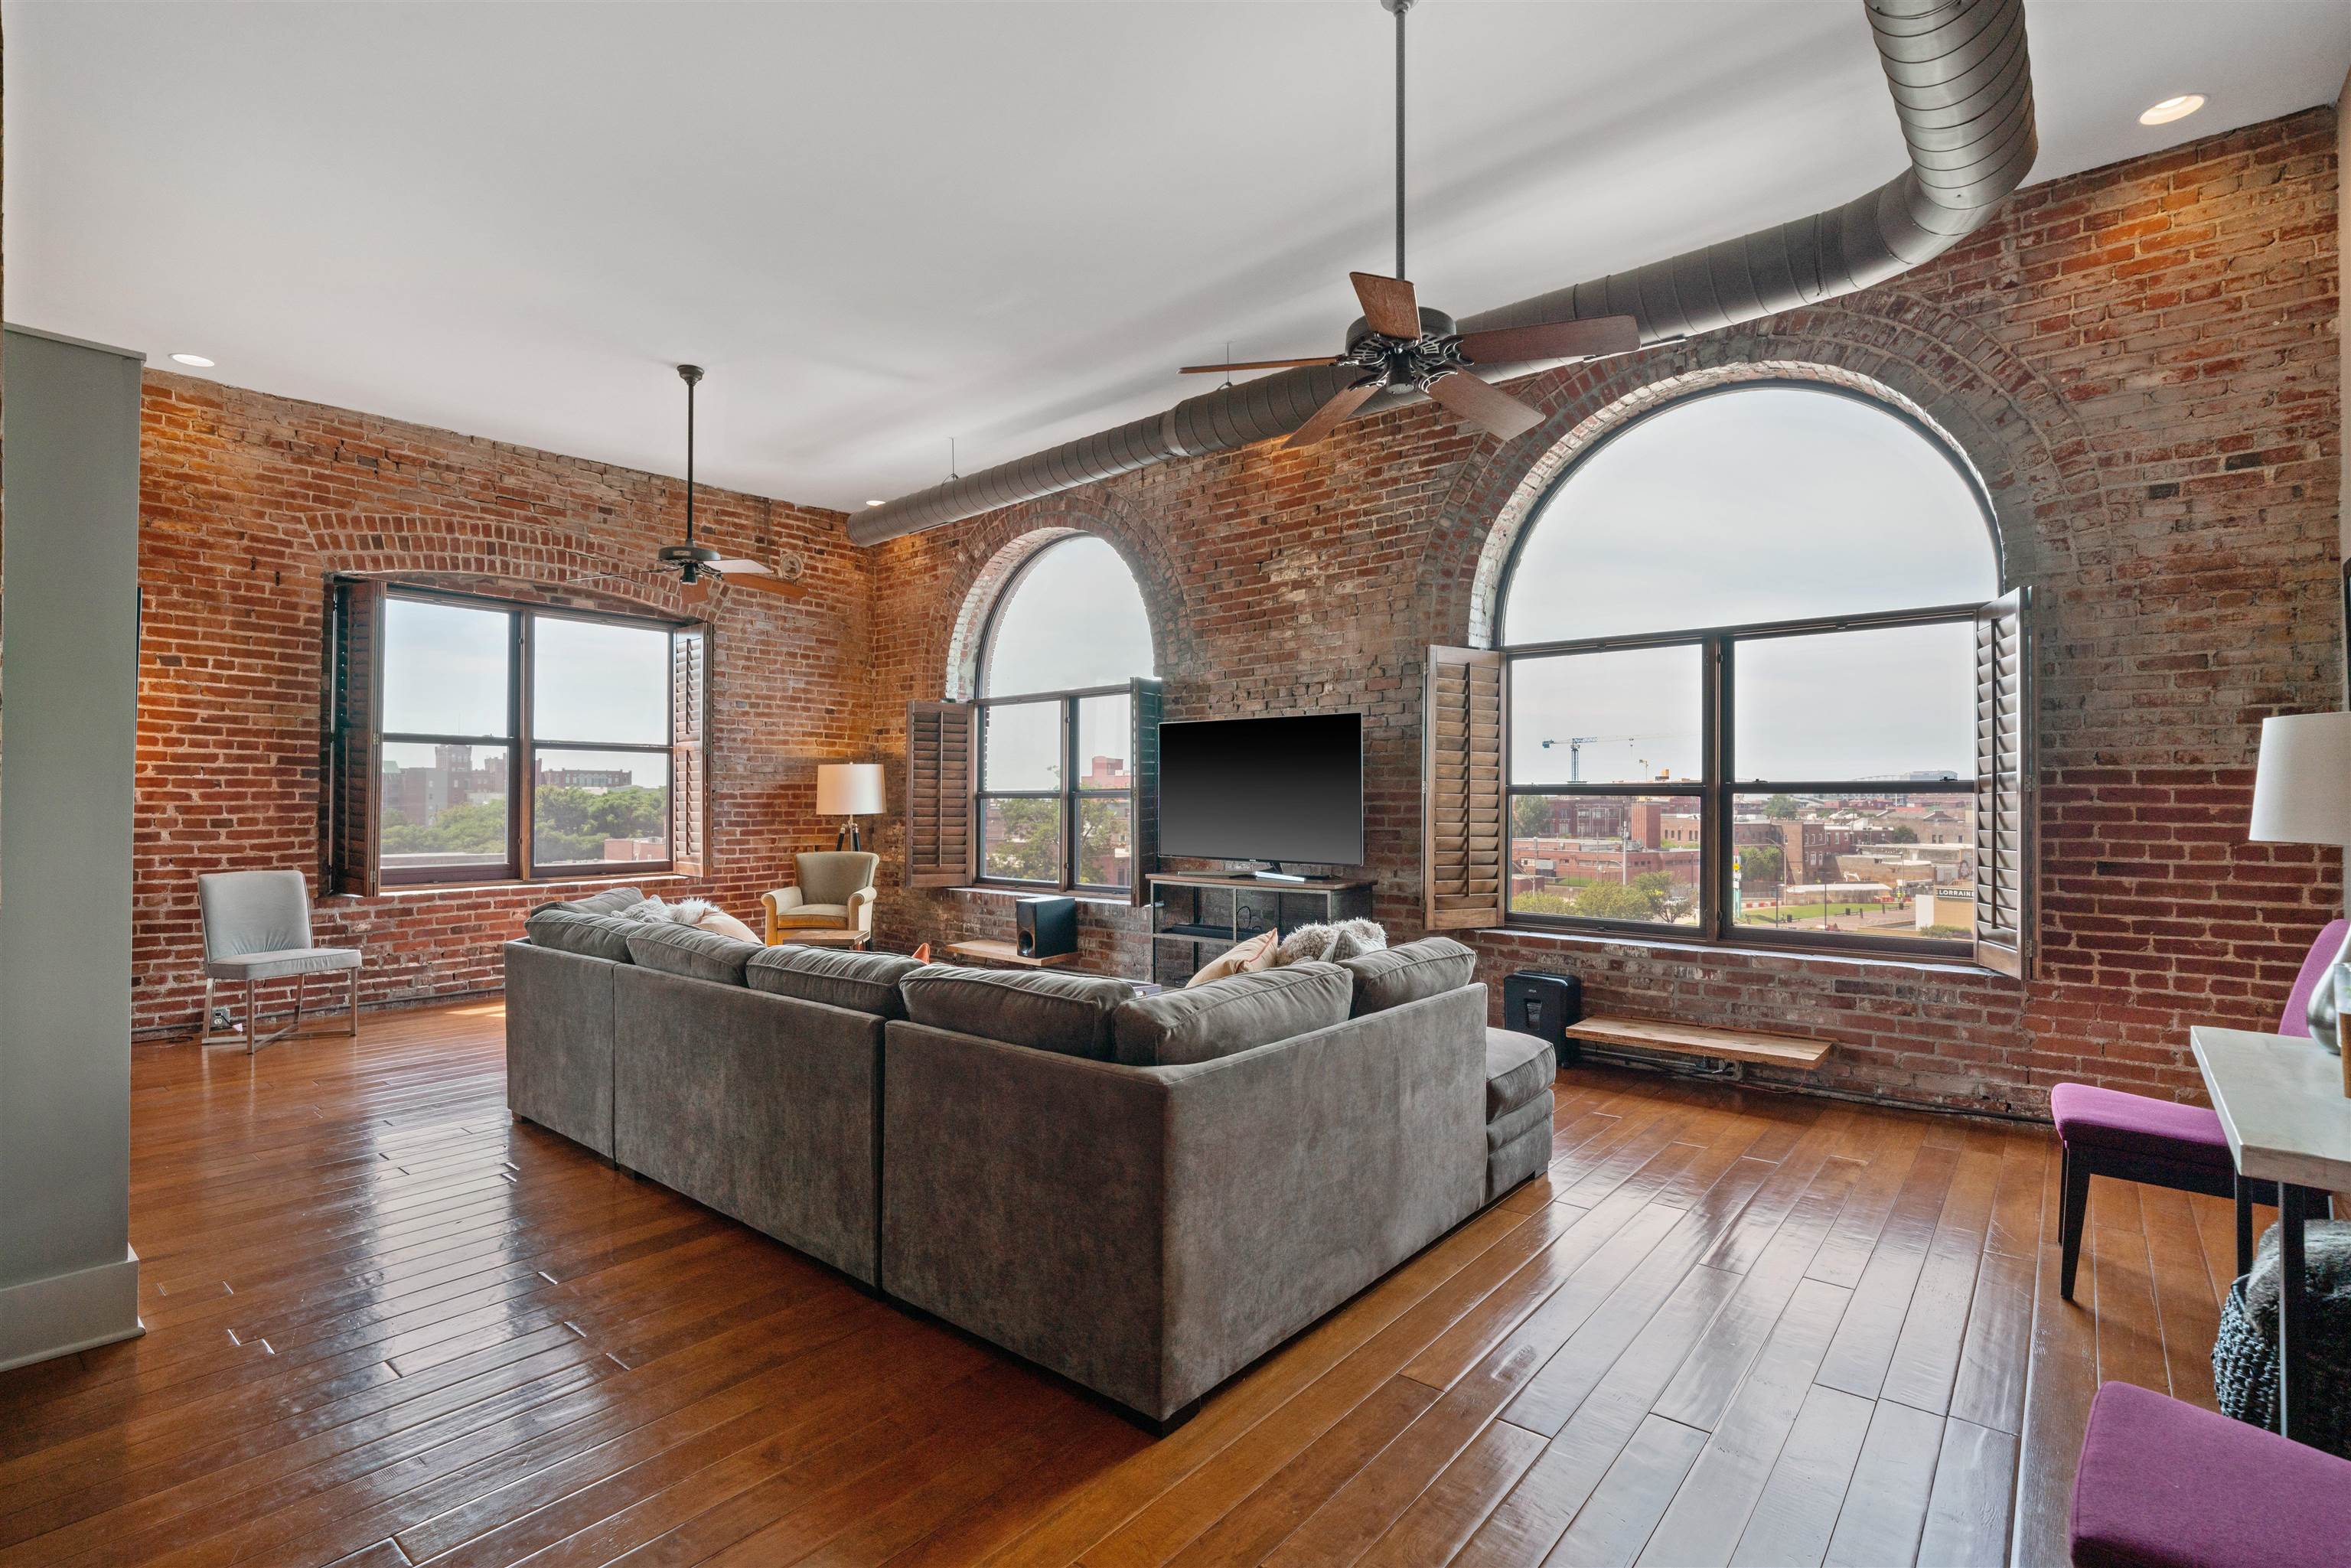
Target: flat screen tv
x: 1263, y: 789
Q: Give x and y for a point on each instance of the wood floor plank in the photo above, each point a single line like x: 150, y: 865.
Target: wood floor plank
x: 1885, y: 1506
x: 486, y: 1347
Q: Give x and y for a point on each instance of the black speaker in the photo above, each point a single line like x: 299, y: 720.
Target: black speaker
x: 1543, y: 1006
x: 1047, y: 926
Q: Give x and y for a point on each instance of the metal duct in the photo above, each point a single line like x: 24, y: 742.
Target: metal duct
x: 1962, y: 89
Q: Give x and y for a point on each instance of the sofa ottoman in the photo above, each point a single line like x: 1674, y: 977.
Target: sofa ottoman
x: 1519, y: 1073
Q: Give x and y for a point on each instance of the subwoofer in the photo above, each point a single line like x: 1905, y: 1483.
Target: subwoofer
x: 1046, y: 928
x: 1544, y: 1005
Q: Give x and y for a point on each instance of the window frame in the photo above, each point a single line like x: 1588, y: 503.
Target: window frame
x: 523, y: 746
x: 1070, y: 795
x: 1719, y: 788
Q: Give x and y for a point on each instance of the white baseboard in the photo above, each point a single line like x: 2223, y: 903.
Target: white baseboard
x: 43, y: 1319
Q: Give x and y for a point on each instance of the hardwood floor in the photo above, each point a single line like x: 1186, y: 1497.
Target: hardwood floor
x: 388, y: 1326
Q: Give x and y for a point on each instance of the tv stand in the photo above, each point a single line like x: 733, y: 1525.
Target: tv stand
x: 1193, y: 918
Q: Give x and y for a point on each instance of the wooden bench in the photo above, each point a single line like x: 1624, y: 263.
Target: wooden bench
x: 1797, y: 1051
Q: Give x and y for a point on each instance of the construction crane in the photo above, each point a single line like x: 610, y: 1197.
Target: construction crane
x: 1576, y: 743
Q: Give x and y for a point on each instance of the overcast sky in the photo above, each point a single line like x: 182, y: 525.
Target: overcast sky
x: 1761, y: 505
x: 445, y: 673
x: 1075, y: 619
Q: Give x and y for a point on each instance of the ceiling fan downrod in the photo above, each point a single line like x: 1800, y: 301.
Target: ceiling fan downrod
x: 1399, y: 7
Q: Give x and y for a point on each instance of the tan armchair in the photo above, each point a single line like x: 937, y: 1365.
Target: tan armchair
x: 832, y: 892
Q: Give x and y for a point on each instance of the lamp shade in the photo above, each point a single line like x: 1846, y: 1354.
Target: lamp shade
x: 2302, y: 786
x: 848, y: 789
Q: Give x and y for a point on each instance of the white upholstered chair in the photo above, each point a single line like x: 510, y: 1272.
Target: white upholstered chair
x: 256, y: 929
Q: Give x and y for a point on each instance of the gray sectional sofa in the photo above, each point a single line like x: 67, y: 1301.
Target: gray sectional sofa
x: 1142, y: 1194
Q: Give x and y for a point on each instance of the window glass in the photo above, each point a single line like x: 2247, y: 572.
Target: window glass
x: 445, y: 668
x: 1895, y: 703
x: 1020, y: 840
x: 442, y: 805
x: 1105, y: 736
x: 599, y: 807
x: 1105, y: 842
x: 1619, y: 717
x: 1072, y: 618
x: 1606, y: 857
x: 594, y: 681
x: 1021, y: 747
x: 1757, y: 505
x: 1886, y: 864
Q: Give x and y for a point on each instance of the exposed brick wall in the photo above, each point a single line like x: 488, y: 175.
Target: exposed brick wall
x: 2141, y: 360
x: 249, y: 502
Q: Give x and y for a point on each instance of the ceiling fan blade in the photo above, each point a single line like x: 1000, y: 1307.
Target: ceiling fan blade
x: 1328, y: 417
x: 695, y: 592
x: 1389, y: 305
x: 1256, y: 365
x: 742, y: 568
x: 1490, y: 408
x: 764, y: 583
x: 1553, y: 341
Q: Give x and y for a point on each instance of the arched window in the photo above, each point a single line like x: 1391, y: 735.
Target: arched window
x: 1066, y: 645
x: 1744, y: 641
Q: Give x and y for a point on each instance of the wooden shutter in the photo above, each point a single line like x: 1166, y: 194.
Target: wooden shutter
x: 2004, y: 785
x: 1465, y: 854
x: 941, y: 753
x: 355, y: 749
x: 689, y: 750
x: 1146, y: 703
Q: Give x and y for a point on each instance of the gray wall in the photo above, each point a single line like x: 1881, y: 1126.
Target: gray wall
x: 70, y: 618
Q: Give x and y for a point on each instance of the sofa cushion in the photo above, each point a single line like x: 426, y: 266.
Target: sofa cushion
x: 1518, y: 1068
x: 1069, y: 1014
x: 690, y: 951
x: 566, y: 929
x: 1512, y: 1125
x: 1391, y: 977
x: 861, y: 982
x: 2163, y: 1484
x: 2129, y: 1123
x: 1201, y: 1023
x: 611, y: 900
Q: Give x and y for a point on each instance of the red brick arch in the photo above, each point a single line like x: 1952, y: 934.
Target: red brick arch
x: 994, y: 555
x: 2023, y: 442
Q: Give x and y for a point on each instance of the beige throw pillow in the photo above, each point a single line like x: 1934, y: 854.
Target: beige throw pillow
x: 726, y: 925
x: 1242, y: 958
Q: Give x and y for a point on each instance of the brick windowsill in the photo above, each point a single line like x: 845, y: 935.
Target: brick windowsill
x: 1958, y: 968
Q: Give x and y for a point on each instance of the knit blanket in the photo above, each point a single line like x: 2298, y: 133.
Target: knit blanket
x: 2244, y: 1354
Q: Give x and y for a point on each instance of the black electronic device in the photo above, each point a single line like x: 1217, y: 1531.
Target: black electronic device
x: 1264, y: 789
x: 1046, y: 927
x: 1544, y: 1005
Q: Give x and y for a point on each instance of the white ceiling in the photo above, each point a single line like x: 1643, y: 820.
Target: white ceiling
x: 883, y: 225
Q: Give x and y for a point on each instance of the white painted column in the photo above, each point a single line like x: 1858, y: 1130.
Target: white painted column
x: 70, y: 679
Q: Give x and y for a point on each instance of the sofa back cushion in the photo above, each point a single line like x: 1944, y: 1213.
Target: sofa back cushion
x: 568, y: 929
x: 861, y: 982
x: 1069, y: 1014
x: 611, y: 900
x: 1394, y: 976
x: 687, y: 950
x: 1201, y: 1023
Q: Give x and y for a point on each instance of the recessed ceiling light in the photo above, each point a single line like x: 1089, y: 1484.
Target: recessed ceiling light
x: 876, y: 503
x: 2172, y: 109
x: 198, y: 360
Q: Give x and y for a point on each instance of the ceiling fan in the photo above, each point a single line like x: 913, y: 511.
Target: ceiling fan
x: 1397, y: 341
x: 696, y: 565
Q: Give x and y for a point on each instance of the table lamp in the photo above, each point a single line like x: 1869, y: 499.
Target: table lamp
x: 2301, y: 795
x: 851, y: 790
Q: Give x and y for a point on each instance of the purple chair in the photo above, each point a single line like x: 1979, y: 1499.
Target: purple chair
x: 2162, y: 1484
x: 2135, y: 1138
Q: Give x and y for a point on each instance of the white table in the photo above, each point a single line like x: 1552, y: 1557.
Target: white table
x: 2282, y: 1103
